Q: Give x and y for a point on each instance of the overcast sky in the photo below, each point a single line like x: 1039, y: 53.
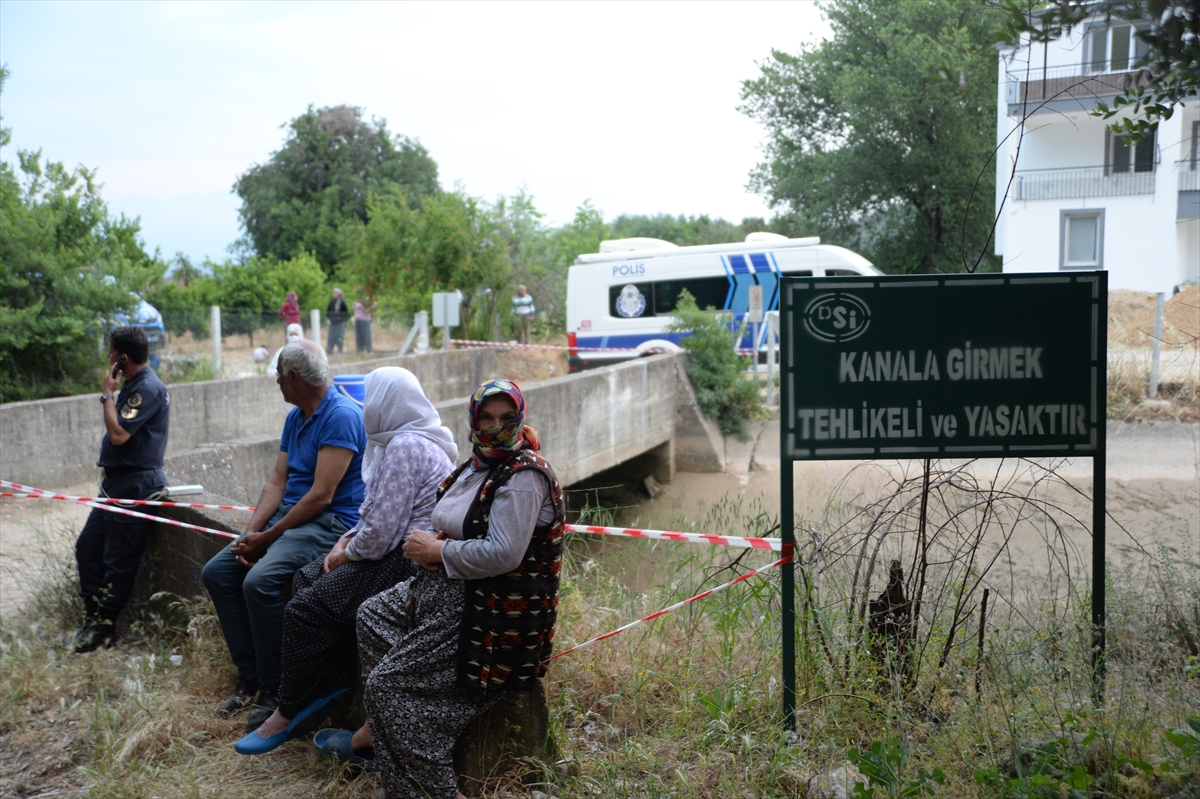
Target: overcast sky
x: 631, y: 105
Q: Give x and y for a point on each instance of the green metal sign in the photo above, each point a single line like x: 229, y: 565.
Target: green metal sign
x: 957, y: 366
x: 948, y: 366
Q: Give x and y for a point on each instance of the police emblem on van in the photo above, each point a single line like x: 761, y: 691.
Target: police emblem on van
x: 837, y: 317
x: 631, y: 302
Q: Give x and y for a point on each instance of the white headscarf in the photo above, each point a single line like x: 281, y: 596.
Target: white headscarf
x: 396, y: 404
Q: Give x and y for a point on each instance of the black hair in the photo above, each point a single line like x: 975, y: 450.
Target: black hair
x: 132, y: 342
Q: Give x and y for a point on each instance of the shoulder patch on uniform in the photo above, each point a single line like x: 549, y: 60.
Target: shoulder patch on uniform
x: 128, y: 413
x: 134, y: 401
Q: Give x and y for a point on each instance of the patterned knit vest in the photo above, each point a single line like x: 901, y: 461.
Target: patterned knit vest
x: 507, y: 630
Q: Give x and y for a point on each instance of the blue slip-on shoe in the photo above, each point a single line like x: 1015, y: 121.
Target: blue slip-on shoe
x: 337, y: 743
x: 309, y: 714
x: 253, y: 744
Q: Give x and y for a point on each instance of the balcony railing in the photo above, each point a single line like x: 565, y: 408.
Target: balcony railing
x: 1089, y: 181
x: 1189, y: 175
x: 1074, y: 81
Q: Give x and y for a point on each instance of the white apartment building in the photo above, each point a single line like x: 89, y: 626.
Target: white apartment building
x: 1070, y: 195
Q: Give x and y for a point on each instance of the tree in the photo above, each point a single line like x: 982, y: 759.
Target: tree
x: 879, y: 138
x: 66, y: 267
x: 682, y: 230
x: 403, y: 254
x: 1169, y: 28
x: 304, y: 198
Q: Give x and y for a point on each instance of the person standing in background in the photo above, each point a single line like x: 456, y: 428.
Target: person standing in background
x: 523, y: 309
x: 363, y: 307
x: 289, y: 312
x: 337, y: 313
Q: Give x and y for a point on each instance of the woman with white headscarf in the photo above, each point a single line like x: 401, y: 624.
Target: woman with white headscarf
x: 409, y: 453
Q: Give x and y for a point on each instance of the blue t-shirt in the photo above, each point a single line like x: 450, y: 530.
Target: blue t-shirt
x: 337, y: 422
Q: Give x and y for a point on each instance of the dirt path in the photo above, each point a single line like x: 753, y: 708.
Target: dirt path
x: 36, y: 540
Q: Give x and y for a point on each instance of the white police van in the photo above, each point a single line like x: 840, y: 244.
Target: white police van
x: 623, y: 296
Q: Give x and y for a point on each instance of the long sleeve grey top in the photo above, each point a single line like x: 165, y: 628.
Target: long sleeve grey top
x: 521, y: 505
x: 399, y: 496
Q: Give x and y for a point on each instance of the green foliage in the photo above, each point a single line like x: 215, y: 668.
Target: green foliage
x: 310, y: 192
x: 683, y: 230
x: 1169, y: 28
x: 66, y: 266
x: 715, y: 368
x: 883, y: 765
x: 405, y: 253
x: 880, y: 137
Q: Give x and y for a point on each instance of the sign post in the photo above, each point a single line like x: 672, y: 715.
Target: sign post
x: 445, y: 313
x: 954, y: 366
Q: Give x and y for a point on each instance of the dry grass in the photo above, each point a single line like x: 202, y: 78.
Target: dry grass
x: 689, y: 706
x: 1130, y: 349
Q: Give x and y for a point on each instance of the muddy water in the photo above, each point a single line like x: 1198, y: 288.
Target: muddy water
x: 1153, y: 486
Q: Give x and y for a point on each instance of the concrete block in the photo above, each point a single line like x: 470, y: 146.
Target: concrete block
x: 512, y: 732
x: 54, y: 443
x: 699, y: 445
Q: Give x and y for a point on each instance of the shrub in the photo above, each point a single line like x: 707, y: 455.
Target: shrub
x: 715, y: 368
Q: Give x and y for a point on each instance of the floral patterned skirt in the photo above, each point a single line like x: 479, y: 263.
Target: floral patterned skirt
x: 408, y: 643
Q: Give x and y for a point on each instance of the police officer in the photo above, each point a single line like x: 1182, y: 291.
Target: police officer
x: 131, y: 455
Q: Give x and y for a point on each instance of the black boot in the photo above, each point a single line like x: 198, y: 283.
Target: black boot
x: 241, y: 698
x: 264, y: 705
x: 91, y: 637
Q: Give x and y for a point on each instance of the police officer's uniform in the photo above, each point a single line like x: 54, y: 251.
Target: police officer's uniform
x: 110, y: 545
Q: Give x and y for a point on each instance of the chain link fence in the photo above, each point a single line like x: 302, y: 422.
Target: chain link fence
x: 1143, y: 377
x: 249, y: 338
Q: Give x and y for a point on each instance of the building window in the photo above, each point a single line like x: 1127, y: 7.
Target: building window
x: 1123, y: 157
x: 1081, y: 239
x: 1114, y: 49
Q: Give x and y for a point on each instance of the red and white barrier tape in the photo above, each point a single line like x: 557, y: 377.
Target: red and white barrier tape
x: 502, y: 345
x: 505, y: 345
x: 114, y: 509
x: 676, y: 606
x: 111, y: 501
x: 37, y: 493
x: 691, y: 538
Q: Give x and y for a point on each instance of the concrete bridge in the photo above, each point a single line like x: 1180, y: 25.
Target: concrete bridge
x: 639, y: 415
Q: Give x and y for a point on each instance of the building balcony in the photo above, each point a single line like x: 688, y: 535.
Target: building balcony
x: 1189, y: 176
x: 1075, y: 85
x: 1088, y: 181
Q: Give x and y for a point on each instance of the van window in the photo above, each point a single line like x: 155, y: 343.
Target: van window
x: 710, y: 292
x: 842, y: 273
x: 630, y: 300
x: 798, y: 273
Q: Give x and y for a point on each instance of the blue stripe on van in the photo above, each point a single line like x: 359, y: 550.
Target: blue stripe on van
x: 766, y: 278
x: 622, y: 341
x: 729, y: 277
x: 773, y: 305
x: 740, y: 302
x: 738, y: 264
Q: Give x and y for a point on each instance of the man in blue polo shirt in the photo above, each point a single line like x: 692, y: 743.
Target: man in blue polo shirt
x: 311, y: 498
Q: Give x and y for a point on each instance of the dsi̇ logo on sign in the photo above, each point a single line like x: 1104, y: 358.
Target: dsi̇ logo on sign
x: 837, y: 317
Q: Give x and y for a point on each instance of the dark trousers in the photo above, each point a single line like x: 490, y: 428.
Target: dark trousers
x: 362, y: 335
x: 318, y: 625
x: 110, y: 546
x: 249, y: 602
x: 337, y: 335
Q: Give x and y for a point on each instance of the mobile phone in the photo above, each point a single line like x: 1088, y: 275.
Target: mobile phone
x: 117, y: 366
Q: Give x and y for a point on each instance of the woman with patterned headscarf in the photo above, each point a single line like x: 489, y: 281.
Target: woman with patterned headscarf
x: 477, y: 620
